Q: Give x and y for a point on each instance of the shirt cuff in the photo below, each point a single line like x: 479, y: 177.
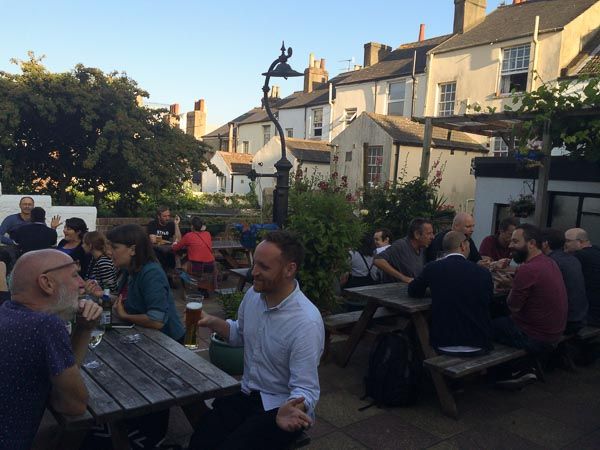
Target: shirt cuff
x: 234, y: 335
x: 156, y: 315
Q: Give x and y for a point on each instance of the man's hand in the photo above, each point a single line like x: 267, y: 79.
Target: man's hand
x: 291, y: 418
x: 177, y: 220
x: 55, y: 222
x: 503, y: 282
x: 88, y: 314
x: 206, y: 320
x: 93, y: 288
x: 152, y: 238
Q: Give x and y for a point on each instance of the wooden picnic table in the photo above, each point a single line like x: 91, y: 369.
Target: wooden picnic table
x: 226, y: 250
x: 128, y: 379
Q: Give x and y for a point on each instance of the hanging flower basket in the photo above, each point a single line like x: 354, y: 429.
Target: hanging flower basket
x: 524, y: 206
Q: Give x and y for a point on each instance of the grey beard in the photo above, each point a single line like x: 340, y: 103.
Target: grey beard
x: 66, y: 304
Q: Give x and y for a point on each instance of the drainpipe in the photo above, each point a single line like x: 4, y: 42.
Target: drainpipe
x: 330, y: 101
x: 396, y: 159
x: 414, y: 84
x: 305, y: 134
x: 536, y: 44
x: 375, y: 102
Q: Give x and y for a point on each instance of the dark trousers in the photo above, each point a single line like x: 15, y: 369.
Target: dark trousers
x: 240, y: 422
x: 507, y: 332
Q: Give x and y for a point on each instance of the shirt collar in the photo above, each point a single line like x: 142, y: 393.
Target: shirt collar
x: 455, y: 254
x: 283, y: 302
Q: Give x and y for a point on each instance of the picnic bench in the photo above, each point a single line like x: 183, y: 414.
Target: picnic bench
x: 224, y: 252
x: 136, y: 371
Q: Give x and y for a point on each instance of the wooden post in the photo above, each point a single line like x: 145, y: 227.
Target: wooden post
x: 426, y: 155
x: 541, y: 193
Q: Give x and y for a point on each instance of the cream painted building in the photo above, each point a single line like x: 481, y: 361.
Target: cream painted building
x: 234, y: 168
x: 376, y: 148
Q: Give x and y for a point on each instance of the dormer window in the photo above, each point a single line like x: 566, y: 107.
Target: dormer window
x: 515, y: 69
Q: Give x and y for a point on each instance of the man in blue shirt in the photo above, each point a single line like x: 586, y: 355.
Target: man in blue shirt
x: 14, y: 221
x: 283, y: 337
x: 38, y: 362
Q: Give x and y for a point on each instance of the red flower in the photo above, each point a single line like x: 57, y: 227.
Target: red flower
x: 334, y: 175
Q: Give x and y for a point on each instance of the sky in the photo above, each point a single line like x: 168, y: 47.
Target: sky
x: 183, y: 51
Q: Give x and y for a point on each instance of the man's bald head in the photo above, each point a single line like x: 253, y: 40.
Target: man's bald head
x: 464, y: 223
x: 456, y: 242
x: 30, y: 266
x: 576, y: 239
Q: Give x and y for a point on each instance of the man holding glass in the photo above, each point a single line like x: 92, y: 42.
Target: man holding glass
x: 38, y: 362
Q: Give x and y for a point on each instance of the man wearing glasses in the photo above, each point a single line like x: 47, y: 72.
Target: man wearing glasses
x: 578, y: 244
x: 39, y: 363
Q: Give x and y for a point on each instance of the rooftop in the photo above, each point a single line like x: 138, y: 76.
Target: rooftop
x: 309, y: 151
x: 237, y: 162
x: 514, y: 21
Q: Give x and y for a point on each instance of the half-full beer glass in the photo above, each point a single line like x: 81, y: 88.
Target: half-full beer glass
x: 193, y: 312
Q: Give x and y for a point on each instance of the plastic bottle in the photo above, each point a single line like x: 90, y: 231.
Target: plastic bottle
x: 106, y: 309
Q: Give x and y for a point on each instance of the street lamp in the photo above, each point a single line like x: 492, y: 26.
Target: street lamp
x: 280, y: 69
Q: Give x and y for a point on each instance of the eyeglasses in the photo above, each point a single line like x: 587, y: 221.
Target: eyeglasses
x: 62, y: 266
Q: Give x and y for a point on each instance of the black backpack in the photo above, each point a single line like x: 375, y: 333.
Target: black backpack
x: 394, y: 371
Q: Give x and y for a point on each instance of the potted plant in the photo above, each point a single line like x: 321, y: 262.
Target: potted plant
x: 524, y: 206
x: 227, y: 357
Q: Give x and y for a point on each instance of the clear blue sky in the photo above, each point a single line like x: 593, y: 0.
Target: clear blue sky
x: 216, y: 50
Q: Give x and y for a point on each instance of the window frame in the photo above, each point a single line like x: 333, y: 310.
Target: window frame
x: 266, y: 133
x: 506, y: 72
x: 372, y: 177
x: 289, y: 132
x: 443, y: 102
x: 245, y: 147
x: 395, y: 101
x: 350, y: 115
x: 317, y: 127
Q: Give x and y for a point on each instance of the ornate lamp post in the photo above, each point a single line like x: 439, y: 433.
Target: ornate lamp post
x: 278, y: 68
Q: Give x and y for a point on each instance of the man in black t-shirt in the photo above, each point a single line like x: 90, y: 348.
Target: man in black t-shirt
x: 35, y: 235
x: 162, y: 227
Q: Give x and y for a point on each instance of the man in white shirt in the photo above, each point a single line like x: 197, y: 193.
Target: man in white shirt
x: 283, y: 337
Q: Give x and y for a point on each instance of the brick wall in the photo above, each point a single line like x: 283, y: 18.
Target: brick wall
x: 104, y: 224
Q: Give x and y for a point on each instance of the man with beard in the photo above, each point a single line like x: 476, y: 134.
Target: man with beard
x: 537, y: 299
x: 39, y: 363
x: 283, y: 337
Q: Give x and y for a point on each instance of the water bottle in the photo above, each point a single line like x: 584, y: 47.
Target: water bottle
x: 106, y: 319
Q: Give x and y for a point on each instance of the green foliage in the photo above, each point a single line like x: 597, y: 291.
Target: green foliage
x: 523, y: 206
x: 323, y: 218
x: 84, y: 132
x: 231, y: 303
x: 571, y: 109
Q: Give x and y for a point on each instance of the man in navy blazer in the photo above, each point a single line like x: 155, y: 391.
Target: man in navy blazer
x: 461, y: 293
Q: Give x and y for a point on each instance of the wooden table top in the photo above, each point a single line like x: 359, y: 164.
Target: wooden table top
x: 127, y: 379
x: 227, y: 245
x: 392, y: 295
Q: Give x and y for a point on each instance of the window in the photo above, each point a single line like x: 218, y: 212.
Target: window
x: 349, y: 116
x: 222, y: 184
x: 373, y: 165
x: 348, y: 156
x: 447, y: 99
x: 396, y: 95
x: 266, y: 134
x: 317, y: 122
x: 499, y: 147
x: 289, y: 132
x: 515, y: 68
x: 568, y: 210
x: 245, y: 147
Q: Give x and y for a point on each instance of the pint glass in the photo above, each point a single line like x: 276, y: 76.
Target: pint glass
x: 193, y: 312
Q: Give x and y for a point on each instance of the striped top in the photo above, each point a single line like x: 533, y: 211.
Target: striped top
x: 104, y: 272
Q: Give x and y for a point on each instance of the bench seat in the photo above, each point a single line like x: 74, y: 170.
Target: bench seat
x: 336, y: 322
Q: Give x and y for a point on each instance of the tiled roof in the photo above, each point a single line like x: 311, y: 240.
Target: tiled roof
x: 513, y: 21
x: 237, y: 162
x: 309, y: 151
x: 320, y: 96
x: 587, y: 62
x: 397, y: 64
x: 406, y: 132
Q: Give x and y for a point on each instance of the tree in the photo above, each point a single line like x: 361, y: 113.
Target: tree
x: 85, y: 130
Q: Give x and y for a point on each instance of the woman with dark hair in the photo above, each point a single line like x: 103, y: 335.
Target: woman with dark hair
x: 149, y: 301
x: 201, y: 261
x: 101, y: 273
x: 74, y: 230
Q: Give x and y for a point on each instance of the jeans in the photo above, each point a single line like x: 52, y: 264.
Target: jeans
x: 240, y: 422
x: 507, y: 332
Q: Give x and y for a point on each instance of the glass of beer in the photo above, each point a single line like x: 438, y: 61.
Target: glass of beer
x: 193, y: 312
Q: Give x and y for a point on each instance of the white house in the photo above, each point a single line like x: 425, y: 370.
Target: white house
x: 312, y: 156
x: 234, y: 167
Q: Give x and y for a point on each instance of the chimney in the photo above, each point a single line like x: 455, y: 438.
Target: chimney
x: 174, y: 109
x: 467, y: 14
x: 422, y: 32
x: 274, y: 93
x: 195, y: 124
x: 375, y: 52
x: 516, y: 2
x: 230, y: 138
x: 315, y: 74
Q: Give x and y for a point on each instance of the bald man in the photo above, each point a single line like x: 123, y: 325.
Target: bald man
x: 578, y: 244
x: 38, y: 360
x: 463, y: 223
x: 461, y: 294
